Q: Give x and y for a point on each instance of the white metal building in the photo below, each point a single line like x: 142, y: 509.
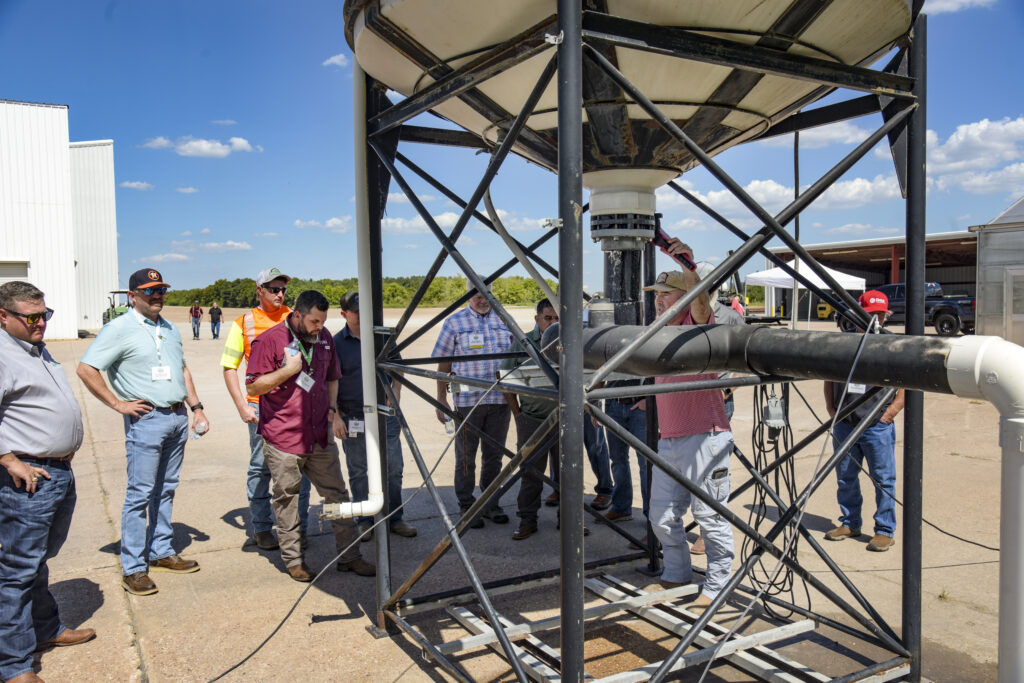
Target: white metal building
x: 95, y: 220
x: 40, y: 237
x: 1001, y: 274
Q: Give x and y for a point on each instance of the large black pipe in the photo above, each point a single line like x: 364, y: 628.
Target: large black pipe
x: 913, y: 362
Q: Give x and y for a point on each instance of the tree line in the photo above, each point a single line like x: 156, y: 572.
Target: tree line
x: 514, y: 290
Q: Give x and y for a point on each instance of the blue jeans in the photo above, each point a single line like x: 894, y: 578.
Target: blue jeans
x: 155, y: 446
x: 215, y: 329
x: 33, y: 527
x: 597, y: 453
x: 195, y: 327
x: 355, y: 461
x: 878, y: 447
x: 636, y: 422
x: 257, y: 485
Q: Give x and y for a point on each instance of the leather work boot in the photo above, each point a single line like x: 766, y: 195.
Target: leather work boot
x: 300, y: 572
x: 139, y: 583
x: 403, y: 529
x: 601, y: 502
x: 68, y: 637
x: 360, y: 566
x: 698, y: 546
x: 265, y: 540
x: 524, y: 531
x: 365, y: 530
x: 841, y: 533
x: 613, y: 516
x: 174, y: 563
x: 27, y: 677
x: 880, y: 543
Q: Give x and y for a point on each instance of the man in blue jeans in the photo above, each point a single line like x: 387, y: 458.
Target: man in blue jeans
x: 40, y: 430
x: 631, y: 413
x: 350, y: 408
x: 876, y: 446
x: 145, y: 363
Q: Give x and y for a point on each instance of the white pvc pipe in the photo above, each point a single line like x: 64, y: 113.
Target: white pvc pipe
x: 373, y: 504
x: 993, y: 369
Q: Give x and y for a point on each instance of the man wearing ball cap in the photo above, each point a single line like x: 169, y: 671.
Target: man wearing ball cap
x: 877, y: 446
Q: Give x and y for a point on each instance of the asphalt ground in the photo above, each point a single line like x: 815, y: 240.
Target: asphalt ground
x: 200, y: 624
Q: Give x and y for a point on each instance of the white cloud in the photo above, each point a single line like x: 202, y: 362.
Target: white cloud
x: 184, y: 245
x: 1009, y: 179
x: 224, y: 122
x: 230, y: 245
x: 404, y: 226
x: 186, y: 190
x: 337, y: 60
x: 407, y: 245
x: 157, y: 143
x: 976, y: 146
x: 204, y: 231
x: 945, y: 6
x: 513, y: 222
x: 863, y: 230
x: 842, y: 132
x: 337, y: 225
x: 849, y: 194
x: 187, y: 233
x: 400, y: 198
x: 265, y: 234
x: 163, y: 258
x: 240, y: 145
x: 137, y: 185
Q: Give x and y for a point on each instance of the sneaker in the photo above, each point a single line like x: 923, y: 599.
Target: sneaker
x: 698, y: 546
x: 880, y: 543
x: 139, y: 583
x: 841, y: 533
x: 174, y: 563
x: 601, y: 502
x: 300, y: 572
x: 552, y: 500
x: 403, y: 529
x: 613, y: 516
x: 365, y: 531
x: 524, y: 531
x: 265, y: 540
x: 360, y: 566
x: 496, y: 515
x: 477, y: 523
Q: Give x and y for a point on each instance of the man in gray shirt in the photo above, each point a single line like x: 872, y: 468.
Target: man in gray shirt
x: 40, y: 430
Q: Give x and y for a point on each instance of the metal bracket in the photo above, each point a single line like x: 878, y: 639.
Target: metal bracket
x: 553, y: 39
x: 553, y: 223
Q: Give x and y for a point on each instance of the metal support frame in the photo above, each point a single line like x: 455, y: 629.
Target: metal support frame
x: 899, y: 94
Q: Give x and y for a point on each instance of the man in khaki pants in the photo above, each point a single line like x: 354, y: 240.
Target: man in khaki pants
x: 294, y: 371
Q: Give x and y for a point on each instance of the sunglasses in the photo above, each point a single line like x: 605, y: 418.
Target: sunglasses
x: 33, y: 318
x: 150, y: 291
x: 275, y: 290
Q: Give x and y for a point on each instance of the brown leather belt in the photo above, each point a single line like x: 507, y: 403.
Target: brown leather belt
x: 45, y: 461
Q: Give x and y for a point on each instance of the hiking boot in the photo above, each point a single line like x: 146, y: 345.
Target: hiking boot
x: 265, y: 540
x: 365, y: 531
x: 552, y: 500
x: 139, y: 583
x: 300, y: 572
x: 841, y: 533
x: 359, y: 566
x: 698, y: 546
x: 477, y: 523
x: 496, y: 515
x: 524, y: 531
x: 613, y: 516
x: 601, y: 502
x: 880, y: 543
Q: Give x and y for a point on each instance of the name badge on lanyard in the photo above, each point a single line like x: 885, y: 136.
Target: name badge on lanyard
x: 356, y: 426
x: 305, y: 381
x: 856, y: 388
x: 161, y: 373
x: 476, y: 340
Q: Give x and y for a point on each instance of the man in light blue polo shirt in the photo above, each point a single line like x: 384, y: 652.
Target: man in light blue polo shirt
x: 142, y: 355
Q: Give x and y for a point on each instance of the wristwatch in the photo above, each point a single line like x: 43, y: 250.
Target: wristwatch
x: 198, y: 406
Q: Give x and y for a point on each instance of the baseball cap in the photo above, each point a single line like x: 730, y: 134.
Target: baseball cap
x: 668, y: 281
x: 873, y: 301
x: 350, y: 301
x: 268, y: 274
x: 147, y: 277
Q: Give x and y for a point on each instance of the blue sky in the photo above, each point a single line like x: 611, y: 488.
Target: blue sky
x: 233, y: 146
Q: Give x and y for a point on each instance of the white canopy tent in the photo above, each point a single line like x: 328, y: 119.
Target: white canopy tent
x: 776, y: 277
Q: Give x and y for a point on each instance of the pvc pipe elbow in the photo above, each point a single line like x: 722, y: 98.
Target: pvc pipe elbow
x: 364, y: 508
x: 990, y: 368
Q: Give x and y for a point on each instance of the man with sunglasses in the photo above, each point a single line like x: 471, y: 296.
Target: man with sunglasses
x: 150, y: 386
x: 40, y: 430
x: 271, y: 287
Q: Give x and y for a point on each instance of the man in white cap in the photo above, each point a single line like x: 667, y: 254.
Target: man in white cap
x: 271, y: 287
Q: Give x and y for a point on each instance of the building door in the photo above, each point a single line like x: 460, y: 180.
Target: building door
x: 1013, y: 304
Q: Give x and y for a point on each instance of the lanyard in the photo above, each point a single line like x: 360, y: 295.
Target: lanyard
x: 157, y: 337
x: 306, y: 355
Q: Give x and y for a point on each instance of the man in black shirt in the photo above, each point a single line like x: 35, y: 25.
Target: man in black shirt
x: 215, y: 314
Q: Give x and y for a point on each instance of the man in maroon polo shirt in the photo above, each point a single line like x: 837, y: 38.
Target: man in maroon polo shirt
x: 295, y: 372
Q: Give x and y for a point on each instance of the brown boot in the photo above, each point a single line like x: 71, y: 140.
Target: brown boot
x: 27, y: 677
x: 360, y: 566
x: 841, y: 533
x: 300, y: 572
x: 174, y: 563
x: 69, y: 637
x: 139, y: 583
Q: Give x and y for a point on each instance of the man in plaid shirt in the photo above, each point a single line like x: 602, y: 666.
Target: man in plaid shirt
x: 475, y: 330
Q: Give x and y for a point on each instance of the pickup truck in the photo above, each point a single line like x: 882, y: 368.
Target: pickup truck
x: 950, y: 315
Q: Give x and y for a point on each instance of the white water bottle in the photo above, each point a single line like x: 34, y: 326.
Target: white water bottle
x: 199, y: 429
x: 449, y: 425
